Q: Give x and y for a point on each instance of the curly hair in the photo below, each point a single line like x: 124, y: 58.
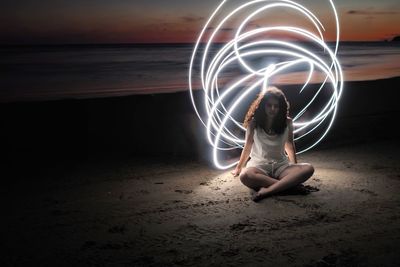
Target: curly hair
x: 257, y: 113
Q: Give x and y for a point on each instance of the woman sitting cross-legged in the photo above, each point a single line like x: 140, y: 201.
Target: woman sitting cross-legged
x: 273, y: 165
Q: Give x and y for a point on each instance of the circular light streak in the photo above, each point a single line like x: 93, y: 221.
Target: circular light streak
x: 221, y: 99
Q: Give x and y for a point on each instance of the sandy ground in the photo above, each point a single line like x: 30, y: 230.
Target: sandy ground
x: 141, y: 213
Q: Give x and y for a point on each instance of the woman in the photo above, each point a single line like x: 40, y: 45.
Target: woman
x: 269, y: 135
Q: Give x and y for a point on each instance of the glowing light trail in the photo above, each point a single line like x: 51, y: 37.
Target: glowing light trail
x: 222, y: 99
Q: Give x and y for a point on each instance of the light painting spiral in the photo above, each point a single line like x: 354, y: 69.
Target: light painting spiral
x: 233, y: 71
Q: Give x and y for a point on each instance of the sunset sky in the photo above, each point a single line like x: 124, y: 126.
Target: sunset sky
x: 165, y: 21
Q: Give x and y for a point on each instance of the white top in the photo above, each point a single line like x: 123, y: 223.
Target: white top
x: 268, y: 148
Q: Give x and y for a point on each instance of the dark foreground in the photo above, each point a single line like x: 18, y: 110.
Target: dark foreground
x: 182, y: 213
x: 126, y: 182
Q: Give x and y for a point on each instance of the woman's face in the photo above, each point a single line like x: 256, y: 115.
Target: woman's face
x: 271, y: 107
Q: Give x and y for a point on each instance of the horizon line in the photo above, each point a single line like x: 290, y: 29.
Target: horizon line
x: 163, y: 43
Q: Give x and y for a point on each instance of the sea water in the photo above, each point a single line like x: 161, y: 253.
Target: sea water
x: 87, y: 71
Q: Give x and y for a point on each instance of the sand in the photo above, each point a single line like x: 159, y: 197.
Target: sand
x: 93, y: 183
x: 140, y: 212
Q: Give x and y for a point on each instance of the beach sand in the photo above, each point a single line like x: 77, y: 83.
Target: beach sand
x: 148, y: 213
x: 93, y: 182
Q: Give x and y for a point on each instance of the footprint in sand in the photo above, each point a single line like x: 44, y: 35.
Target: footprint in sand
x: 117, y: 229
x: 348, y: 164
x: 184, y: 191
x: 366, y: 191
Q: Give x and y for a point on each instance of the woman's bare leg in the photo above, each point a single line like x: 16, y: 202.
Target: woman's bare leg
x: 291, y: 176
x: 255, y: 179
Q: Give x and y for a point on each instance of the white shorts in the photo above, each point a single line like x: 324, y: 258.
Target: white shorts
x: 272, y: 169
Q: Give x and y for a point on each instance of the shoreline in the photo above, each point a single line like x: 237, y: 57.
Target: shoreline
x: 124, y: 92
x: 164, y: 125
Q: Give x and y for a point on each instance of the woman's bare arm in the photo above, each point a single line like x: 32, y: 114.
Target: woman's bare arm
x: 246, y: 150
x: 289, y: 145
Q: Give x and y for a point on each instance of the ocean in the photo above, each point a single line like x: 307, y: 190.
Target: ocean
x: 33, y: 73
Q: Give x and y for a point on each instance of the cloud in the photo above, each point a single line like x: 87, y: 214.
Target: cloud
x: 364, y: 12
x: 226, y: 29
x: 192, y: 18
x: 254, y: 24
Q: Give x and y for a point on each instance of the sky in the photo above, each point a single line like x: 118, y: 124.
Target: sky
x: 168, y: 21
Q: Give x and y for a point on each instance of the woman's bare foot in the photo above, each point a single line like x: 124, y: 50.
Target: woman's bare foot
x: 261, y: 194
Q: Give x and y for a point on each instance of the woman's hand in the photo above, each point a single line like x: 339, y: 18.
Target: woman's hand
x: 237, y: 171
